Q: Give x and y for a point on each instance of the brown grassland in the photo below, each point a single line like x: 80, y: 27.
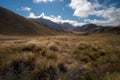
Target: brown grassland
x: 92, y: 57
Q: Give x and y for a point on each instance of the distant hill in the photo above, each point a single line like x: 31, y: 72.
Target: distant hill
x: 84, y: 28
x: 115, y: 30
x: 14, y: 24
x: 94, y: 29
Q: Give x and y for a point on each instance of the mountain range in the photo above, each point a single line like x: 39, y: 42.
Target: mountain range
x: 14, y: 24
x: 89, y: 28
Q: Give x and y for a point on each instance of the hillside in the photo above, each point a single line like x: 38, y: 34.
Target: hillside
x: 14, y: 24
x: 94, y: 29
x: 84, y: 28
x: 113, y: 30
x: 50, y: 23
x: 61, y: 27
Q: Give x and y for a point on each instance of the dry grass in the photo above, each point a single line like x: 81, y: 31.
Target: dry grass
x: 93, y: 57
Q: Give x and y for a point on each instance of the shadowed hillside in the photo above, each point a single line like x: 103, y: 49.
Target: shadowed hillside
x: 94, y: 29
x: 86, y: 27
x: 113, y: 30
x: 14, y: 24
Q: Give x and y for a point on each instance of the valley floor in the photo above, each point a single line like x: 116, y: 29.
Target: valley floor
x: 90, y: 57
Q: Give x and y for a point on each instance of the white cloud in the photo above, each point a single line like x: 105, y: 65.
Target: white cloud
x: 99, y: 22
x: 85, y: 8
x: 82, y: 8
x: 57, y: 19
x: 112, y: 15
x: 45, y: 1
x: 39, y: 1
x: 32, y: 15
x: 26, y: 9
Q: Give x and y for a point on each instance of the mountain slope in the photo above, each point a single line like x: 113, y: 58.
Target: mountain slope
x: 14, y: 24
x: 86, y: 27
x: 59, y: 26
x: 94, y: 29
x: 50, y: 23
x: 114, y: 30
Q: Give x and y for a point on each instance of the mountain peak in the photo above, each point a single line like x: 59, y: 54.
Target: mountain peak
x: 42, y: 15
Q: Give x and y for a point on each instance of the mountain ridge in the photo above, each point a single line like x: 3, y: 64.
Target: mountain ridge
x: 14, y: 24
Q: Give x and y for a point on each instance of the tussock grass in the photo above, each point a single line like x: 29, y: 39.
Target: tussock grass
x: 61, y: 58
x: 53, y: 47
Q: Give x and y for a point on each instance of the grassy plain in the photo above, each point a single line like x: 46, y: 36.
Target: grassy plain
x: 90, y: 57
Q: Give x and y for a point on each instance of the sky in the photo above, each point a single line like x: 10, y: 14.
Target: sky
x: 75, y: 12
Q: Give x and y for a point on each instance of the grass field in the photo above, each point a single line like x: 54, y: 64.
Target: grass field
x: 91, y: 57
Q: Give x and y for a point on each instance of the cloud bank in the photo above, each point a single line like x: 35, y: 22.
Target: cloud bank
x: 85, y: 8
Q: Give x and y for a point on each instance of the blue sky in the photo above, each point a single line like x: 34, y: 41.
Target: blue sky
x: 77, y: 12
